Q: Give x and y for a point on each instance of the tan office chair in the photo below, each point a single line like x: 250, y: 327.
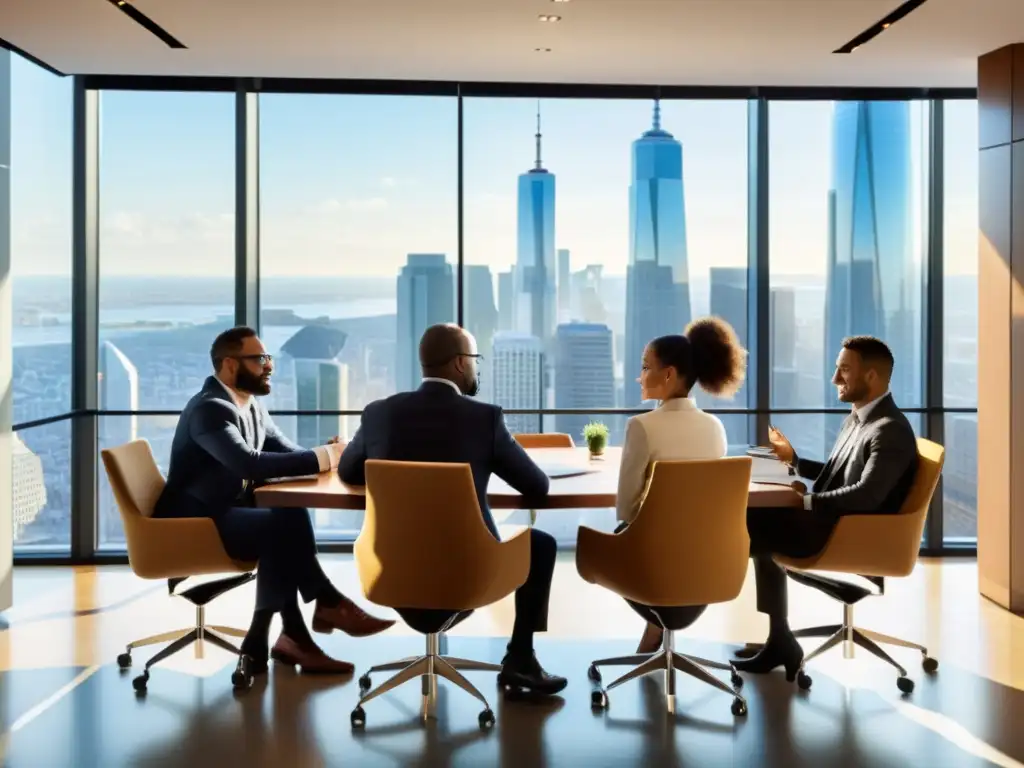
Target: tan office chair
x: 873, y: 546
x: 424, y: 550
x: 172, y: 549
x: 545, y: 440
x: 687, y: 546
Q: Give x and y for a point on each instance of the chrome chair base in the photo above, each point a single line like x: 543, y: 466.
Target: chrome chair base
x: 669, y: 661
x: 851, y: 636
x: 177, y: 641
x: 429, y: 667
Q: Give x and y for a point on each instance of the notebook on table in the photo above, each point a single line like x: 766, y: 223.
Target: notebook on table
x: 555, y: 471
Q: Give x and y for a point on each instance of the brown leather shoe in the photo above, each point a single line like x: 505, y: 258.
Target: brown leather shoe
x: 349, y: 618
x: 309, y: 658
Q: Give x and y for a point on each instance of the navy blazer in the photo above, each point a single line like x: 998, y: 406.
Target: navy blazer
x: 436, y: 423
x: 212, y: 466
x: 871, y: 470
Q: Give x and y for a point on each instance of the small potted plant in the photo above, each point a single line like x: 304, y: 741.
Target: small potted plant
x: 596, y: 435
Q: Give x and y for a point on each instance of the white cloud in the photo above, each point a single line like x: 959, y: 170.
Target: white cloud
x: 356, y: 205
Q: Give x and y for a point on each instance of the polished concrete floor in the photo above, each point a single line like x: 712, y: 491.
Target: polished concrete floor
x: 64, y: 702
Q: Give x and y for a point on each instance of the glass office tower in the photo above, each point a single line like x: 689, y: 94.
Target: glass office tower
x: 870, y: 279
x: 657, y: 276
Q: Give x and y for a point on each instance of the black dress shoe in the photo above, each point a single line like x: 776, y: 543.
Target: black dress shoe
x: 527, y: 673
x: 782, y: 651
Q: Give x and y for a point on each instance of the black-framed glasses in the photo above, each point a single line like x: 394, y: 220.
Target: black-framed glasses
x: 261, y: 359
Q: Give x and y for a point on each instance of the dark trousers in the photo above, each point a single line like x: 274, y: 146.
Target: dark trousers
x: 282, y: 541
x: 533, y: 596
x: 782, y: 531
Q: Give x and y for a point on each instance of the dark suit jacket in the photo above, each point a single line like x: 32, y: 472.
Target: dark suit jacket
x: 213, y: 466
x: 871, y: 470
x: 436, y: 423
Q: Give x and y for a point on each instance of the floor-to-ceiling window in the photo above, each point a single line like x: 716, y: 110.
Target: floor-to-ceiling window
x: 358, y: 254
x: 848, y: 191
x: 166, y: 263
x: 40, y: 231
x: 960, y: 320
x: 592, y: 227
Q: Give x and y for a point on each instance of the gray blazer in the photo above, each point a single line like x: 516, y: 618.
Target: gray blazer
x: 872, y: 465
x: 214, y: 467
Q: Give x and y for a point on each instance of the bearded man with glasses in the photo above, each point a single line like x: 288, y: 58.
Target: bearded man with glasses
x: 224, y: 446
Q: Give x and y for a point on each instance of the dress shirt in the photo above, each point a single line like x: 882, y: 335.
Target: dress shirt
x: 860, y: 415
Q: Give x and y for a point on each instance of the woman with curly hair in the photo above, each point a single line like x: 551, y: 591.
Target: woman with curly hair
x: 707, y: 354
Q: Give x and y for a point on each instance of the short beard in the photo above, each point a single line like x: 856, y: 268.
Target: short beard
x: 251, y: 384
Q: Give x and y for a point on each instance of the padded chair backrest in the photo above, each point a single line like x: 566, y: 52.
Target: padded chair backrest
x: 688, y: 543
x: 883, y: 545
x: 134, y: 477
x: 160, y: 548
x: 423, y: 543
x: 545, y: 440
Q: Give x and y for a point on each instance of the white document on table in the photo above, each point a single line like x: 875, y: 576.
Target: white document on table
x: 770, y: 471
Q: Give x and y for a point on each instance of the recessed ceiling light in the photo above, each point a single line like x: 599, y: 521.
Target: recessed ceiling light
x: 559, y: 1
x: 542, y: 50
x: 549, y: 18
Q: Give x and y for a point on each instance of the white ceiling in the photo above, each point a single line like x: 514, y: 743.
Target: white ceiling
x: 686, y: 42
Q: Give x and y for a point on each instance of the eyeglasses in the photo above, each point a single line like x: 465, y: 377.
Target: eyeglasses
x: 261, y: 359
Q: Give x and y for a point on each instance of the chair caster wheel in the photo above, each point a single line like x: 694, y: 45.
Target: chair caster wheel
x: 739, y: 707
x: 124, y: 660
x: 594, y: 674
x: 365, y: 683
x: 358, y: 718
x: 905, y: 684
x: 598, y: 700
x: 929, y: 665
x: 737, y: 681
x: 804, y: 681
x: 139, y: 683
x: 242, y: 678
x: 486, y: 719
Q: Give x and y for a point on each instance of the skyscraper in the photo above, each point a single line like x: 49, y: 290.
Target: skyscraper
x: 118, y: 390
x: 657, y: 276
x: 870, y: 269
x: 481, y: 319
x: 533, y: 304
x: 321, y: 383
x: 518, y: 376
x: 426, y: 296
x: 584, y: 376
x: 564, y: 286
x: 785, y: 377
x: 505, y: 300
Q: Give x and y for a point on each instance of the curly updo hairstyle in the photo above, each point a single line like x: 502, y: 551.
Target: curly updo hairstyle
x: 708, y: 353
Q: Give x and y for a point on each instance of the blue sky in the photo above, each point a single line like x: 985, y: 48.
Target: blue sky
x: 351, y: 184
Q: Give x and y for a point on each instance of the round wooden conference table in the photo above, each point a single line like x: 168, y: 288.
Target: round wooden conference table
x: 594, y: 487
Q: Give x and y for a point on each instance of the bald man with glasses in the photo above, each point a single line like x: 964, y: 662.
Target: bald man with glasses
x: 442, y: 422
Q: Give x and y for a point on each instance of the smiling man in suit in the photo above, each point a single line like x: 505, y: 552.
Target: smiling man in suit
x: 869, y: 472
x: 224, y: 446
x: 441, y: 422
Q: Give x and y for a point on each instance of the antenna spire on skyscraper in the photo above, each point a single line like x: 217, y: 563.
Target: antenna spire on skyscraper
x: 538, y: 166
x: 657, y: 115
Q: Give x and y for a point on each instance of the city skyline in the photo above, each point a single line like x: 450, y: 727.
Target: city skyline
x: 359, y: 252
x: 344, y: 197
